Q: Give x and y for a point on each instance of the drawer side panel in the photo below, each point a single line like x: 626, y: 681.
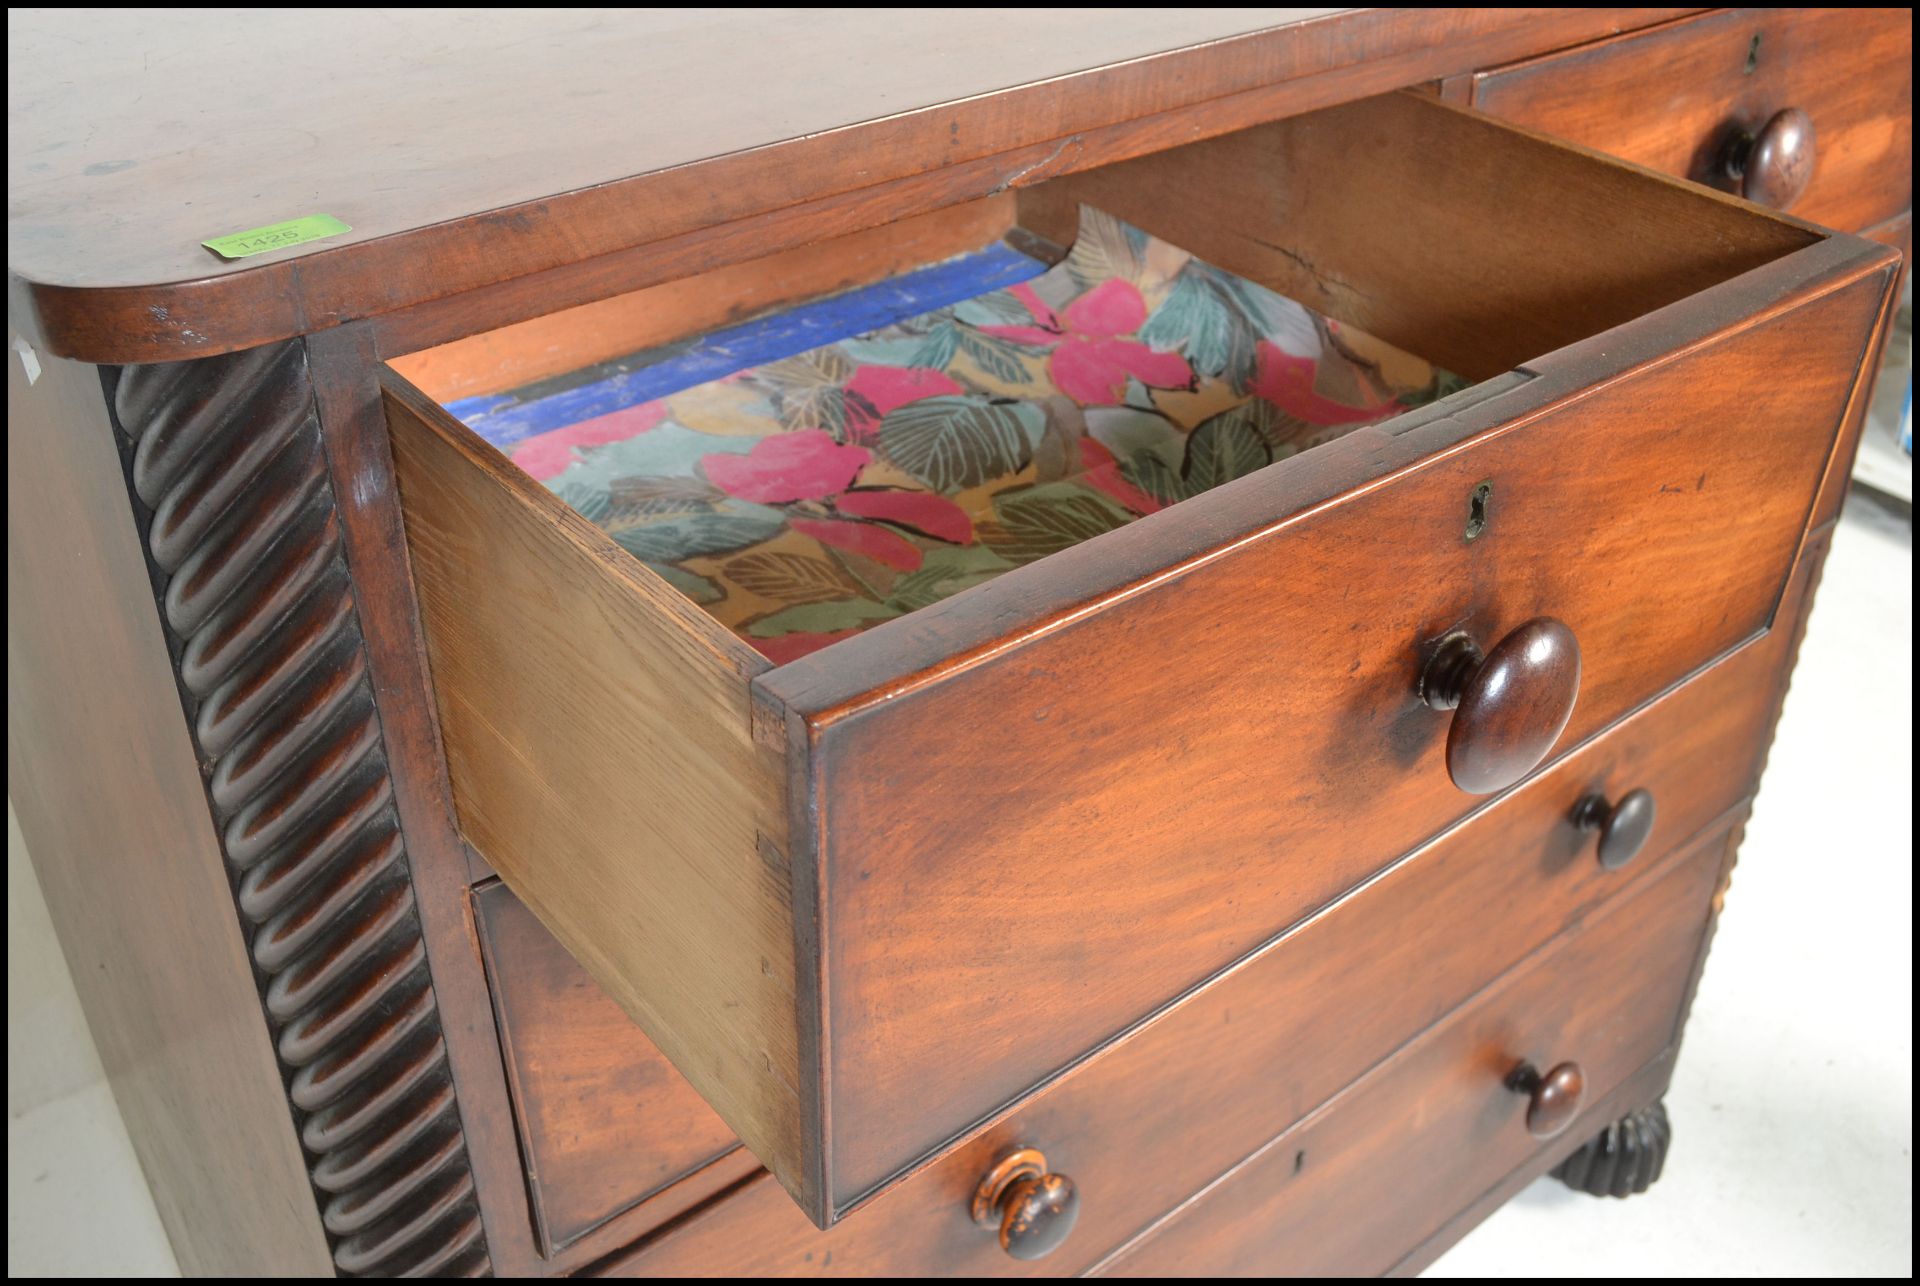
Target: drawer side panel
x: 599, y: 739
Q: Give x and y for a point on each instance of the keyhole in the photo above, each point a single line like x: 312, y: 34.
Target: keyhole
x: 1477, y: 507
x: 1753, y: 54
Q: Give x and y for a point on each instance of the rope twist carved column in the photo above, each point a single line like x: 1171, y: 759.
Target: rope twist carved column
x: 227, y: 460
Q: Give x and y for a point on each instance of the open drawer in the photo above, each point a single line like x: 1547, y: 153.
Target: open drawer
x: 870, y: 899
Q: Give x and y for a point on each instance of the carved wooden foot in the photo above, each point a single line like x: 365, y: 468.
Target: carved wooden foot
x: 1623, y: 1159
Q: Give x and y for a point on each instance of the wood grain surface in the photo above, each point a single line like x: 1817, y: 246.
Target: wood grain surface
x: 526, y: 188
x: 1190, y: 1098
x: 1344, y: 1192
x: 107, y: 785
x: 1677, y: 96
x: 1839, y: 477
x: 605, y: 1120
x: 466, y: 152
x: 1789, y: 631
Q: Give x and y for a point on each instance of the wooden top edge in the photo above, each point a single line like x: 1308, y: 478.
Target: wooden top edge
x: 978, y: 624
x: 468, y: 153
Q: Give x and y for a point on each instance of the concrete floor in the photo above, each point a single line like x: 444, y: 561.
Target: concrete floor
x: 1793, y: 1107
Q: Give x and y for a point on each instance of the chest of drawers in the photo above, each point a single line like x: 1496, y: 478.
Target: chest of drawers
x: 1268, y: 884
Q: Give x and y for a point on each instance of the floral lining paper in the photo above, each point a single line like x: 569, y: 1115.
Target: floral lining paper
x: 803, y: 499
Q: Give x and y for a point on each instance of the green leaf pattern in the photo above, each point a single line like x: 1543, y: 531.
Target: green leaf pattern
x: 958, y: 405
x: 953, y: 443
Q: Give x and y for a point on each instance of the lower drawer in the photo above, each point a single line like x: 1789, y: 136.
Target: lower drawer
x: 1355, y: 1187
x: 1804, y: 109
x: 606, y: 1125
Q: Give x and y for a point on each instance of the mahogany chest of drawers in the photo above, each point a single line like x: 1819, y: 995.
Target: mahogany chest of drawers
x: 1263, y: 865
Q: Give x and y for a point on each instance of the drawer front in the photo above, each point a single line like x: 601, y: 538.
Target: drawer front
x: 1030, y: 854
x: 1352, y: 1190
x: 1686, y: 97
x: 604, y: 1120
x: 1181, y: 1101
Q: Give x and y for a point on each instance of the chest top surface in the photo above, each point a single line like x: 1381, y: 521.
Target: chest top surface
x: 133, y: 140
x: 468, y: 148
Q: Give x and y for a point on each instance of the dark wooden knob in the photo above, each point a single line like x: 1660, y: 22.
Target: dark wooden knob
x: 1553, y: 1097
x: 1774, y: 166
x: 1510, y: 704
x: 1034, y: 1210
x: 1623, y: 827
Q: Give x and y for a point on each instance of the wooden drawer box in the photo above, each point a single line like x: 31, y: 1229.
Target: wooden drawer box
x: 869, y: 900
x: 1176, y: 1104
x: 1696, y: 98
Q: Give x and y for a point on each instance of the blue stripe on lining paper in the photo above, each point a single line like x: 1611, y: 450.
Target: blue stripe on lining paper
x: 504, y: 419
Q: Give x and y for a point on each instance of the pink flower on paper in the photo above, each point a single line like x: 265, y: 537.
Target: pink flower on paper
x: 1090, y: 363
x: 875, y: 391
x: 808, y: 473
x: 1094, y: 372
x: 791, y: 647
x: 1110, y: 308
x: 1287, y: 382
x: 1043, y: 335
x: 547, y: 455
x: 806, y: 464
x: 923, y: 511
x: 877, y: 543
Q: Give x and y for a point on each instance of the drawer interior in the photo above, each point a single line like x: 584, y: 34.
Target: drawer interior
x: 815, y: 443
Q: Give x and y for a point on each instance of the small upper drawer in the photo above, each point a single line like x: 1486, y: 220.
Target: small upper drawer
x: 867, y: 899
x: 1809, y: 110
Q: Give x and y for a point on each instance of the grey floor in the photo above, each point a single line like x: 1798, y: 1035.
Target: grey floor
x: 1793, y: 1107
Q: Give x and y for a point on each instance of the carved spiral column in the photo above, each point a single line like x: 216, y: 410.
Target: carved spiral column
x: 227, y: 460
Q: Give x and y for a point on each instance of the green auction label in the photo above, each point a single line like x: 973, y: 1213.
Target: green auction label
x: 276, y: 236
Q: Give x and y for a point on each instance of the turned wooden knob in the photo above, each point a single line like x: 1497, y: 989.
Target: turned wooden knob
x: 1035, y: 1210
x: 1623, y: 827
x: 1553, y: 1098
x: 1510, y: 704
x: 1774, y: 166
